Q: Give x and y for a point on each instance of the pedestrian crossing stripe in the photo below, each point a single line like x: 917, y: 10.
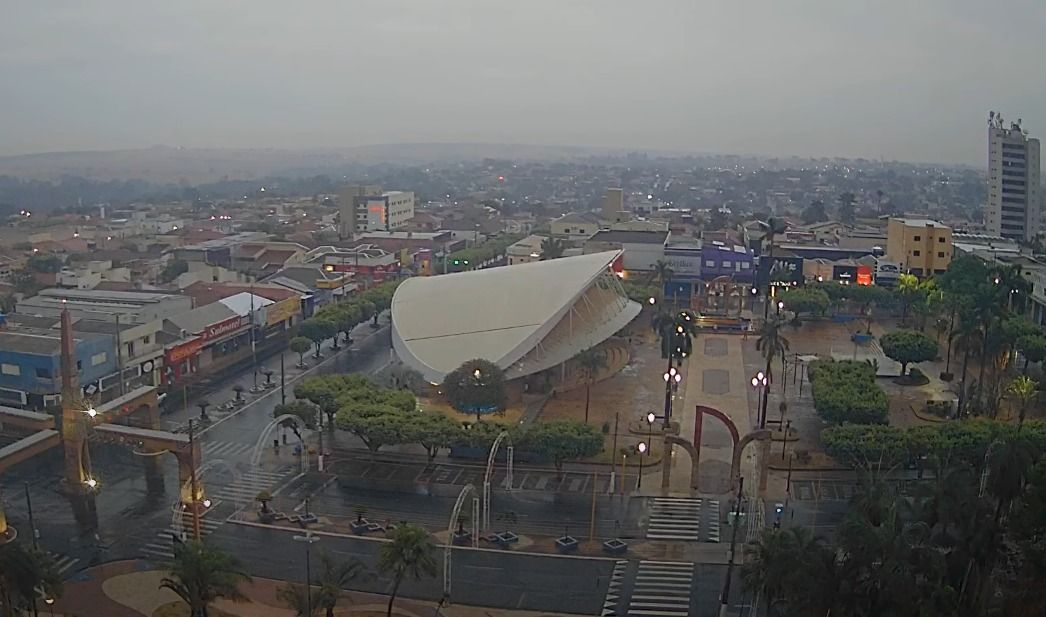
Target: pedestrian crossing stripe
x: 62, y: 563
x: 675, y: 518
x: 662, y: 589
x: 616, y: 577
x: 163, y: 546
x: 227, y: 448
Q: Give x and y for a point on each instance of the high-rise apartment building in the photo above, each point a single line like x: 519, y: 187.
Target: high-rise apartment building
x: 388, y: 211
x: 348, y: 204
x: 1013, y: 181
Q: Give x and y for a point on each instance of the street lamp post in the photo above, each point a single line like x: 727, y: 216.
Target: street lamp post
x: 309, y: 540
x: 780, y: 306
x: 672, y: 378
x: 642, y: 448
x: 761, y: 382
x: 784, y: 440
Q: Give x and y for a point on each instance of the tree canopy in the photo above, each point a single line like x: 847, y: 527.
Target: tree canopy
x: 908, y: 346
x: 476, y: 386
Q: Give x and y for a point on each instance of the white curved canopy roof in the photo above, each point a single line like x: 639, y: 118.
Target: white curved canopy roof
x: 498, y: 314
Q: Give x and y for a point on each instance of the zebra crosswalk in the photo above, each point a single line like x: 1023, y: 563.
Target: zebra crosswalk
x: 245, y: 486
x: 63, y: 563
x: 230, y: 449
x: 685, y: 519
x: 674, y: 518
x: 662, y: 589
x: 162, y: 546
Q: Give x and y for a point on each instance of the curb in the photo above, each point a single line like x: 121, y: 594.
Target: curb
x: 335, y: 534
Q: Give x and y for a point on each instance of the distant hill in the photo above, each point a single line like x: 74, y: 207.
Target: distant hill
x: 164, y: 164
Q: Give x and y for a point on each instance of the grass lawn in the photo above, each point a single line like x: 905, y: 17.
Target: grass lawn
x: 511, y: 415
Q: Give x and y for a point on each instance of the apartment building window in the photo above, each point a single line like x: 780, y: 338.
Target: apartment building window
x: 10, y: 369
x: 709, y: 263
x: 727, y: 264
x: 940, y: 254
x: 98, y: 358
x: 917, y: 238
x: 916, y: 253
x: 940, y: 240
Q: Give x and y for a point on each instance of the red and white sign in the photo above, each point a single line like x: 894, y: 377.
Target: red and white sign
x: 176, y: 355
x: 222, y: 328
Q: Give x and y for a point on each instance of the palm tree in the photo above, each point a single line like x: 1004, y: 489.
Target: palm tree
x: 200, y: 574
x: 769, y: 563
x: 669, y: 326
x: 552, y: 248
x: 661, y: 273
x: 591, y: 361
x: 296, y: 597
x: 25, y: 574
x: 773, y: 227
x: 908, y: 290
x: 409, y: 554
x: 772, y: 343
x: 1024, y: 389
x: 334, y: 577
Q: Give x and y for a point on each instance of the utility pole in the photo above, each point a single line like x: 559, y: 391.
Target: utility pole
x: 592, y: 521
x: 613, y: 453
x: 725, y: 598
x: 119, y: 355
x: 29, y: 506
x: 283, y: 380
x: 254, y: 353
x: 192, y: 487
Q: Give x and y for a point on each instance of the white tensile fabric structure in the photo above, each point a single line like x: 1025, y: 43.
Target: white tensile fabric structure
x: 524, y: 318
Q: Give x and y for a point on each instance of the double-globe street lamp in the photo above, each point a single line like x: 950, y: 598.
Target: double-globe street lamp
x: 761, y: 382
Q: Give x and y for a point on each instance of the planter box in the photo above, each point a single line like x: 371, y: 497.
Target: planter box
x: 279, y: 516
x: 372, y: 527
x: 359, y: 527
x: 566, y: 544
x: 267, y: 517
x: 615, y: 547
x: 463, y: 538
x: 506, y: 538
x: 308, y: 518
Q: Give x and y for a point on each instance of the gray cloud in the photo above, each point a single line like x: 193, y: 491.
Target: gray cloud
x: 892, y: 78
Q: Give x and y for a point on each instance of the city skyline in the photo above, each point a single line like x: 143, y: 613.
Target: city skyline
x: 900, y: 82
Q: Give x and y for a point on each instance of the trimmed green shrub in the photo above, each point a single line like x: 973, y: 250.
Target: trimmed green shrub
x: 846, y: 392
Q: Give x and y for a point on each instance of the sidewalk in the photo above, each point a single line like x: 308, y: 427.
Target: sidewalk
x: 177, y: 420
x: 129, y: 589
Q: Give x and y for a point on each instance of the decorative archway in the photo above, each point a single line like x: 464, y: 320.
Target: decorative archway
x: 762, y: 435
x: 666, y: 470
x: 739, y: 444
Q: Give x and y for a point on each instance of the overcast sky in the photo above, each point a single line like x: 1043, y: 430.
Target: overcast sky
x: 900, y: 79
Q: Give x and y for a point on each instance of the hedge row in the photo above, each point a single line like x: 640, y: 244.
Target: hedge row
x: 952, y: 443
x: 846, y: 392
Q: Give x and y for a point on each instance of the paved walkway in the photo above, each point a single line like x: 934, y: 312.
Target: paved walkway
x: 715, y: 377
x: 128, y: 589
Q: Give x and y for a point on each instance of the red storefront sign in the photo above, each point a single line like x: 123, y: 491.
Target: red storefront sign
x: 223, y: 327
x: 864, y: 275
x: 177, y: 354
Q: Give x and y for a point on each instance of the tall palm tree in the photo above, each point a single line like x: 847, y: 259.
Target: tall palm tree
x: 1024, y: 389
x: 769, y: 564
x: 200, y: 574
x: 591, y: 361
x: 772, y: 227
x: 661, y: 273
x: 296, y: 597
x: 408, y: 555
x: 680, y: 326
x: 552, y: 248
x: 908, y: 290
x: 25, y: 574
x: 772, y: 343
x: 334, y: 577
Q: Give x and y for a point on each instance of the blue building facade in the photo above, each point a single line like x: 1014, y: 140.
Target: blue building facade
x: 30, y: 367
